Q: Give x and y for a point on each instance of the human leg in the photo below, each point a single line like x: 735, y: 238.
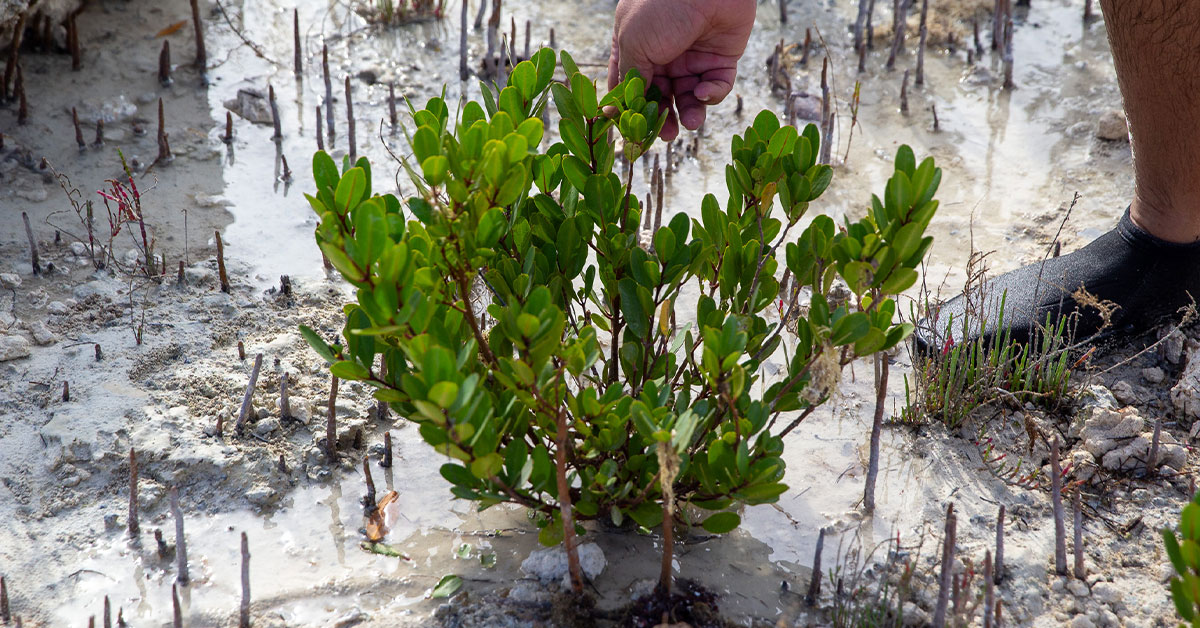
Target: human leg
x: 1149, y: 265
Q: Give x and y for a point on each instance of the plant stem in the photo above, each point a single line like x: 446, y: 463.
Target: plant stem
x: 564, y: 502
x: 881, y: 380
x: 1060, y: 533
x: 244, y: 609
x: 331, y: 423
x: 814, y: 582
x: 943, y: 599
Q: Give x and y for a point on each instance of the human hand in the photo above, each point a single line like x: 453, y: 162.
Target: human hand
x: 689, y: 49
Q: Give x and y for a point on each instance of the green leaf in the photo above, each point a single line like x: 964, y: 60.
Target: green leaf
x: 850, y: 328
x: 325, y: 172
x: 349, y: 370
x: 447, y: 586
x: 636, y: 317
x: 350, y: 190
x: 524, y: 78
x: 1183, y: 603
x: 443, y: 394
x: 721, y: 522
x: 383, y: 550
x: 487, y: 466
x: 1173, y: 552
x: 317, y: 343
x: 491, y: 227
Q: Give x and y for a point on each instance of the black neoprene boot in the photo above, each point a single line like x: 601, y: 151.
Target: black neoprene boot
x: 1138, y: 278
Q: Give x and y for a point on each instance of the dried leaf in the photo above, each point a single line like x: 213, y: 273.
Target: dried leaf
x: 381, y: 520
x: 172, y: 29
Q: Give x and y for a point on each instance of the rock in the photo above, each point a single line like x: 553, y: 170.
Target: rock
x: 41, y: 334
x: 1185, y: 395
x: 199, y: 276
x: 529, y: 592
x: 251, y: 105
x: 1112, y: 126
x: 110, y: 521
x: 10, y: 281
x: 1123, y: 391
x: 1083, y: 464
x: 261, y: 495
x: 13, y: 347
x: 79, y: 249
x: 1082, y: 621
x: 94, y: 288
x: 1154, y: 375
x: 915, y: 615
x: 1093, y: 398
x: 1107, y: 429
x: 58, y: 308
x: 550, y: 565
x: 266, y: 427
x: 1106, y: 593
x: 1133, y: 454
x: 1172, y: 347
x: 112, y: 110
x: 1078, y: 588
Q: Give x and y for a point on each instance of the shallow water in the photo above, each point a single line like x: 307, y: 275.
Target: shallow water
x: 1010, y: 160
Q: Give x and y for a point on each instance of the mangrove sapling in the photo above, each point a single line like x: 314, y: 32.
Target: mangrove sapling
x: 559, y: 391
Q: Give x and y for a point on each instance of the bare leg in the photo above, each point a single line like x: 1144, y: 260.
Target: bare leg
x: 1148, y: 267
x: 1156, y: 50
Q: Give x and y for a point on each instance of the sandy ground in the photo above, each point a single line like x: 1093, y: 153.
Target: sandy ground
x: 169, y: 364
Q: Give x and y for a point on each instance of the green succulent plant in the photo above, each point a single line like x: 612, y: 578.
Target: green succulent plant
x: 1184, y: 552
x: 565, y: 363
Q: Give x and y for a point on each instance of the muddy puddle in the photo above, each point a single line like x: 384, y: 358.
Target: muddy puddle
x: 1013, y: 160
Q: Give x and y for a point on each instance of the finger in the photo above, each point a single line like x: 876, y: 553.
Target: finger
x: 691, y: 111
x: 715, y: 85
x: 614, y: 56
x: 671, y: 127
